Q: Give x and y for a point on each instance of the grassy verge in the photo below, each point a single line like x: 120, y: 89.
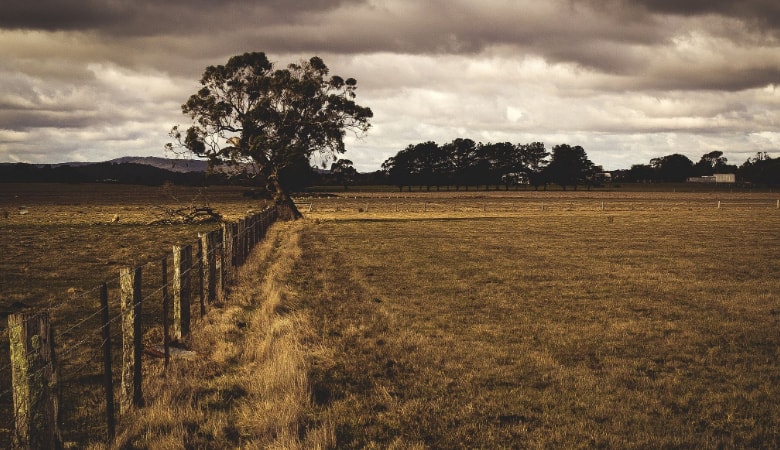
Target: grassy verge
x: 568, y: 329
x: 248, y: 386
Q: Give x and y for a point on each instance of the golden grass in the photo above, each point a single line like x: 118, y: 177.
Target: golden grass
x: 249, y: 386
x: 453, y: 320
x: 53, y: 257
x: 564, y: 328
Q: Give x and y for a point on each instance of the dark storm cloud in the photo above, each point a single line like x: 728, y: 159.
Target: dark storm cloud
x: 764, y: 12
x: 141, y: 17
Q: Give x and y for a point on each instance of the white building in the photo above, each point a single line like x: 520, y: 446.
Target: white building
x: 717, y: 178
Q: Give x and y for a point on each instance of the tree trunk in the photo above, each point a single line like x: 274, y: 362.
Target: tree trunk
x: 283, y: 201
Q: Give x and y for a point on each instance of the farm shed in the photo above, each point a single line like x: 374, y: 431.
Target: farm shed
x: 716, y: 178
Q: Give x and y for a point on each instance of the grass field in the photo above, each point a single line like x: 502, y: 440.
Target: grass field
x: 59, y: 241
x: 452, y: 319
x: 649, y: 326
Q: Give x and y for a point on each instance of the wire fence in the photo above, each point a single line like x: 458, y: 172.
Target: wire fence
x: 527, y: 202
x: 66, y: 369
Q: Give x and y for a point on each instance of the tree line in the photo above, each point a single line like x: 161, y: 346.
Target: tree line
x: 760, y: 169
x: 464, y: 163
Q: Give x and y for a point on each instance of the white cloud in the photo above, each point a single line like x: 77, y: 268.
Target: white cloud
x: 626, y: 79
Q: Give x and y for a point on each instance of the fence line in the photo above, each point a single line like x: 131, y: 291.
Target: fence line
x: 213, y: 262
x: 388, y: 204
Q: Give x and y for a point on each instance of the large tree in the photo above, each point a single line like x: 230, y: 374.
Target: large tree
x: 248, y: 113
x: 463, y: 156
x: 534, y: 160
x: 569, y: 166
x: 674, y: 168
x: 344, y: 171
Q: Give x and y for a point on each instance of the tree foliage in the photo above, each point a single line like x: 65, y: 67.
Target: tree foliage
x: 570, y: 166
x: 761, y: 169
x: 249, y: 114
x: 344, y: 172
x: 464, y: 163
x: 674, y: 168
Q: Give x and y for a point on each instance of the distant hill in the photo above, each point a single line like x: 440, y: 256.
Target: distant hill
x: 172, y: 165
x: 126, y: 170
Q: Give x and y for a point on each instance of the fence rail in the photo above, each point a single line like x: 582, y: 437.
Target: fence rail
x: 62, y: 379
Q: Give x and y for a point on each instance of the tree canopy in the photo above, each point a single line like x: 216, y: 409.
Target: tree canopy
x: 248, y: 114
x: 464, y: 163
x: 569, y: 166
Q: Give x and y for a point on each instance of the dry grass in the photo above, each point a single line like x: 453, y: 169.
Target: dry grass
x: 567, y: 328
x: 53, y: 257
x: 249, y: 386
x: 453, y: 320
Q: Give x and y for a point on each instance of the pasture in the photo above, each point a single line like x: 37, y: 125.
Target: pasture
x: 469, y: 319
x: 490, y: 322
x: 58, y: 242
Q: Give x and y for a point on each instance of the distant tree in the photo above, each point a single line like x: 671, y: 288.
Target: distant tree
x: 401, y: 169
x: 504, y: 159
x: 428, y: 160
x: 248, y: 113
x: 713, y: 162
x: 569, y: 166
x: 534, y: 160
x: 462, y: 154
x: 441, y: 167
x: 761, y: 169
x: 674, y: 168
x: 641, y: 173
x: 344, y: 172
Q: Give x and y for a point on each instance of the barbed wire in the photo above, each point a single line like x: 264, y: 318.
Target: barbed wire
x: 198, y: 265
x: 151, y: 262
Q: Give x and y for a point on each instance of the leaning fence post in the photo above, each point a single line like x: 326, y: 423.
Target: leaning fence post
x: 108, y: 379
x: 182, y: 291
x: 35, y: 383
x: 132, y: 345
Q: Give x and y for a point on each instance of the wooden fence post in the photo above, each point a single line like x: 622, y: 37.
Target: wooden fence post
x: 208, y: 267
x: 132, y: 345
x: 255, y: 229
x: 241, y: 239
x: 108, y: 379
x: 182, y: 290
x: 35, y: 384
x: 219, y: 251
x: 166, y: 307
x: 227, y: 255
x: 201, y: 273
x: 250, y: 234
x: 234, y: 233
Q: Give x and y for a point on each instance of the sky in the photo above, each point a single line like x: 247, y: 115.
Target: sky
x: 628, y: 80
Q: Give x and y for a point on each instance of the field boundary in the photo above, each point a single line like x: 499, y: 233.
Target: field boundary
x: 56, y: 370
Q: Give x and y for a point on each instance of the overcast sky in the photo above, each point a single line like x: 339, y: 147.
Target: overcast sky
x: 628, y: 80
